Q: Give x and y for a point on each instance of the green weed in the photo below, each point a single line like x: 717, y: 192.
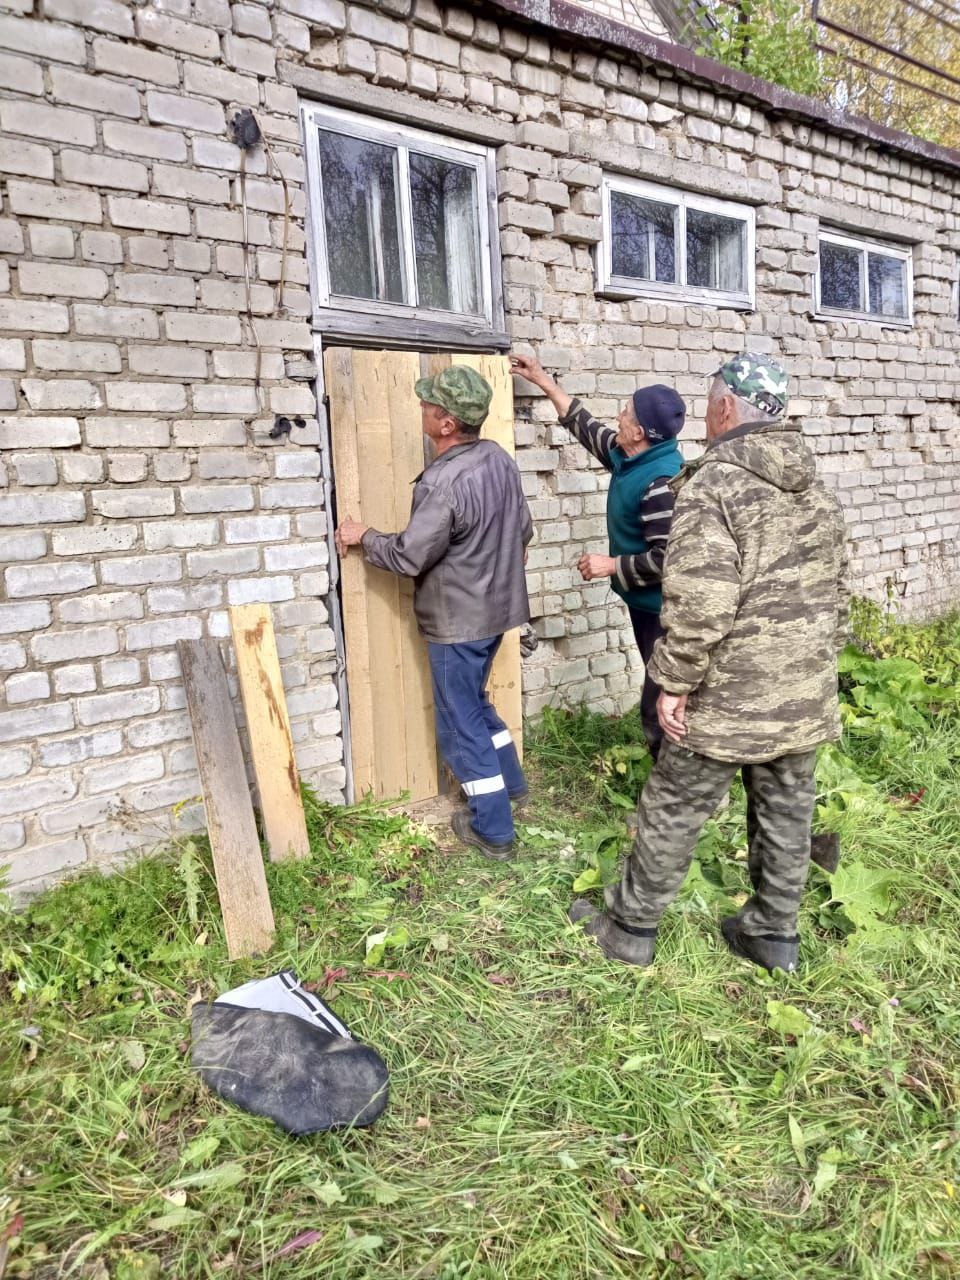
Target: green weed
x: 551, y: 1115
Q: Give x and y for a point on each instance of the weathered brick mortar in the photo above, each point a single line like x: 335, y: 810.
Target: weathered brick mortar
x: 140, y: 494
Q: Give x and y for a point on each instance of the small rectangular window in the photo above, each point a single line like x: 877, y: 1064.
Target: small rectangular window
x: 361, y: 212
x: 446, y: 234
x: 863, y: 280
x: 660, y: 242
x: 643, y: 238
x: 403, y: 239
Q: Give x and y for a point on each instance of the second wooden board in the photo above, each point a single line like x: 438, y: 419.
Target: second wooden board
x: 268, y: 726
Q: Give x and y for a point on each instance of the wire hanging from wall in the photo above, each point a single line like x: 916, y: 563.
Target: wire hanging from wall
x: 246, y: 134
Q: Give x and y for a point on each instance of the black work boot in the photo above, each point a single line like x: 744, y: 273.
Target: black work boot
x: 629, y: 946
x: 764, y: 949
x: 462, y: 826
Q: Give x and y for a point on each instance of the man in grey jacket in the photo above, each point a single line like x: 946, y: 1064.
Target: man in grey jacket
x: 465, y: 549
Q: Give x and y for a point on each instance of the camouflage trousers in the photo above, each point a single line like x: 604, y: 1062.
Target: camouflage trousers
x: 682, y: 792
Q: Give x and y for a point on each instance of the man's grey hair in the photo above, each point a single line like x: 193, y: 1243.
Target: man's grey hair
x: 746, y: 412
x: 463, y: 428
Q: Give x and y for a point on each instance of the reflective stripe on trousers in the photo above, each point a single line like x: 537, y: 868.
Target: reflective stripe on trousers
x: 473, y: 740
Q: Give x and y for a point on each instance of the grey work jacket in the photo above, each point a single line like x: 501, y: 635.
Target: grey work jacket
x: 464, y: 545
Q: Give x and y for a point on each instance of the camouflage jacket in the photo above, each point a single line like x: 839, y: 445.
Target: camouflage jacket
x: 754, y: 598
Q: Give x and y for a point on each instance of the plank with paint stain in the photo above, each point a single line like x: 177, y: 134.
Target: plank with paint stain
x: 268, y: 726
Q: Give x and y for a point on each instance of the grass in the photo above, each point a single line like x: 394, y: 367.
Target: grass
x: 551, y: 1115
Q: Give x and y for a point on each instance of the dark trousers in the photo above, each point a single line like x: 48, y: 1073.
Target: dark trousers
x: 647, y: 630
x: 680, y: 795
x: 473, y: 740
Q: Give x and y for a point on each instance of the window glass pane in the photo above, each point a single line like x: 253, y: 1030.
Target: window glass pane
x: 361, y: 217
x: 644, y: 238
x: 888, y: 285
x: 840, y: 277
x: 716, y: 252
x: 446, y: 234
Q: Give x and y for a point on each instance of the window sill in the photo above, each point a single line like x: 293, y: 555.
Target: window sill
x: 687, y: 297
x: 367, y: 328
x: 863, y: 317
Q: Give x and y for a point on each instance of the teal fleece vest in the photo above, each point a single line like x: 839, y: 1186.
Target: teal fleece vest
x: 630, y: 480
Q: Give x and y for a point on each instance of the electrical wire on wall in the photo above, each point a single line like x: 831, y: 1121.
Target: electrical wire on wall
x: 246, y: 134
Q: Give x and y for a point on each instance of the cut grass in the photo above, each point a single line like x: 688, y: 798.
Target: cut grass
x: 551, y: 1114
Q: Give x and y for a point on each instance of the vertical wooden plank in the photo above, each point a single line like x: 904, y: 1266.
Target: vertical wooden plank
x: 237, y: 860
x: 432, y: 363
x: 378, y: 508
x: 271, y: 743
x: 339, y: 379
x: 504, y: 685
x: 421, y: 778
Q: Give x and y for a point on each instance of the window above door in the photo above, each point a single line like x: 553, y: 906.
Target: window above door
x: 660, y: 242
x: 403, y: 233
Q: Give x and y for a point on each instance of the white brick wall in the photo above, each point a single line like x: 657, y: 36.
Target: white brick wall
x: 134, y: 431
x: 140, y: 493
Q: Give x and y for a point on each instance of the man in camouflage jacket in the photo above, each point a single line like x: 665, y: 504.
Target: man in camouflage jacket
x: 755, y: 611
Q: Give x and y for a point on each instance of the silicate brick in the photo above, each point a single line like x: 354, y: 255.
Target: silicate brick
x: 41, y: 509
x: 126, y: 59
x: 108, y: 606
x: 124, y: 705
x: 140, y: 570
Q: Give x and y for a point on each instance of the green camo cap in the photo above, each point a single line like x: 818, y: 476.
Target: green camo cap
x: 758, y: 380
x: 459, y: 390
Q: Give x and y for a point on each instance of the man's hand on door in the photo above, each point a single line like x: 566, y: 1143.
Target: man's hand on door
x: 349, y: 534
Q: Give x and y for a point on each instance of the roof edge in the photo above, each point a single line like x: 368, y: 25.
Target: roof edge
x: 582, y: 24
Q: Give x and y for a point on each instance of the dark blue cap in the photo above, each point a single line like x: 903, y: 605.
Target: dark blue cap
x: 660, y: 412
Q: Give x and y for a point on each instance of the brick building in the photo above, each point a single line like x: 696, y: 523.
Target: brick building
x: 435, y: 175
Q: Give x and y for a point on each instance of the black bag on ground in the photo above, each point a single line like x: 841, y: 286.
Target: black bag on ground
x: 301, y: 1069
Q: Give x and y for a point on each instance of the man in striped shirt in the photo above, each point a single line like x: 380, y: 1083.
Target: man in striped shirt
x: 642, y: 455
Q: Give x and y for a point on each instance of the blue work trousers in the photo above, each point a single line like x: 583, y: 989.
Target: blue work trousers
x: 474, y: 741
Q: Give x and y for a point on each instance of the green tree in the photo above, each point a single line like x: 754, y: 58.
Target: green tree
x: 772, y: 39
x: 778, y: 40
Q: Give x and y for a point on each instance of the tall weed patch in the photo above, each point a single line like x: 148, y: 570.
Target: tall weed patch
x: 552, y: 1115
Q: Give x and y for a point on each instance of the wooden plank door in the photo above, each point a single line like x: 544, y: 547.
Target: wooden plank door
x: 374, y: 416
x: 378, y: 451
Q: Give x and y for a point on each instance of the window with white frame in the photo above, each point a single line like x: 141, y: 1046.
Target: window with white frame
x: 864, y: 280
x: 660, y: 242
x: 401, y: 228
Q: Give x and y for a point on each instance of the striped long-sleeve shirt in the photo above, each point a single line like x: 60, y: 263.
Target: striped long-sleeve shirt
x: 656, y: 505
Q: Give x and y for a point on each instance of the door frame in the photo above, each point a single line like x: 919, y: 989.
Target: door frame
x: 506, y: 680
x: 334, y: 610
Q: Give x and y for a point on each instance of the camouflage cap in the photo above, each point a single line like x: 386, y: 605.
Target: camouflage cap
x: 459, y: 390
x: 758, y: 380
